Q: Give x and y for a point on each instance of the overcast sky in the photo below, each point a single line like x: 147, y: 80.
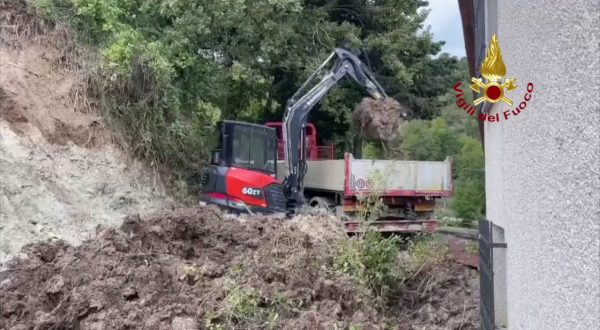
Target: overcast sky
x: 446, y: 25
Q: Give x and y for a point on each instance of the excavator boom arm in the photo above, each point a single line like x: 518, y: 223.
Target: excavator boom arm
x: 299, y: 106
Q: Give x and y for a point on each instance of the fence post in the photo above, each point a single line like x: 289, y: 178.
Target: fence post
x: 492, y: 276
x: 486, y: 276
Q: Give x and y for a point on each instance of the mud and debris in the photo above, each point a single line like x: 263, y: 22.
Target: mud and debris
x: 196, y: 269
x: 379, y: 119
x: 73, y: 259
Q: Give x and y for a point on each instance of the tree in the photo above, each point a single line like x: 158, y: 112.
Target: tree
x: 429, y: 140
x: 469, y: 201
x: 171, y: 68
x: 432, y: 89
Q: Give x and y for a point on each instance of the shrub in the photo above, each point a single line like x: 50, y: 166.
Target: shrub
x: 450, y: 221
x: 424, y: 253
x: 245, y: 306
x: 371, y: 259
x: 371, y: 205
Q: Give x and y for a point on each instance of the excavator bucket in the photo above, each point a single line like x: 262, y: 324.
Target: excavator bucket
x: 379, y: 119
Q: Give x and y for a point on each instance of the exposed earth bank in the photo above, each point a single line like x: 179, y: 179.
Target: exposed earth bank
x: 61, y: 174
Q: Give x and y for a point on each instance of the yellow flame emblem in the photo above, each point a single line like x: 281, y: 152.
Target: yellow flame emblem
x: 493, y: 69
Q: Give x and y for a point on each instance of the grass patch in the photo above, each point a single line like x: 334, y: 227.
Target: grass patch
x: 245, y: 307
x: 472, y: 249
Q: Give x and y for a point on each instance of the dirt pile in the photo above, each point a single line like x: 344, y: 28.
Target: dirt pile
x: 379, y: 119
x: 441, y: 298
x: 195, y: 269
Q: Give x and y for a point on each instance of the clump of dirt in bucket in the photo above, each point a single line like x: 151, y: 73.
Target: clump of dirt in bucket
x: 379, y: 119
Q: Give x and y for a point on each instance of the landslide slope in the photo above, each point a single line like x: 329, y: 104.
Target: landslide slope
x: 61, y: 174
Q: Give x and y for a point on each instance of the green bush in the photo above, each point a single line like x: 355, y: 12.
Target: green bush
x: 244, y: 306
x: 371, y: 205
x: 469, y: 200
x: 371, y: 259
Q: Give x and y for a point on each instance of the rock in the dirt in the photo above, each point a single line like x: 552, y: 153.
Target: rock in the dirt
x: 325, y: 289
x: 55, y: 285
x: 8, y: 308
x: 338, y: 310
x: 184, y: 323
x: 93, y: 325
x: 5, y: 283
x: 97, y: 301
x: 359, y: 317
x: 19, y: 327
x: 219, y: 293
x: 131, y: 224
x: 211, y: 269
x: 253, y: 243
x: 44, y: 320
x: 379, y: 119
x: 129, y: 293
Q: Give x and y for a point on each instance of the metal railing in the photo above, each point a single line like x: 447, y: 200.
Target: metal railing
x: 312, y: 153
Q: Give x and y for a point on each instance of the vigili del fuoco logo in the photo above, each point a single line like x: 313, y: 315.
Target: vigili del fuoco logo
x: 494, y: 88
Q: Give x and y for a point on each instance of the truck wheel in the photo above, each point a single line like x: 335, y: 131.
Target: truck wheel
x: 320, y: 203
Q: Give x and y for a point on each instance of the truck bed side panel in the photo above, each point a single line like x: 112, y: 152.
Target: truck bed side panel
x: 321, y: 174
x: 433, y: 177
x: 325, y: 175
x: 399, y: 178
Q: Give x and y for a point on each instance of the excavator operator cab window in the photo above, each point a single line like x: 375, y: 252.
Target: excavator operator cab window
x: 252, y: 147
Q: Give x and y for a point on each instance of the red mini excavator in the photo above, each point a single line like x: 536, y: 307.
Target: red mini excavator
x: 243, y: 172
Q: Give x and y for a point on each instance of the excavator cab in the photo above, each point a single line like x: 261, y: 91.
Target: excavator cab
x: 243, y: 172
x: 246, y: 146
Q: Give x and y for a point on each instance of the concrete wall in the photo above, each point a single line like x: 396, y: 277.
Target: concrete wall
x: 543, y: 166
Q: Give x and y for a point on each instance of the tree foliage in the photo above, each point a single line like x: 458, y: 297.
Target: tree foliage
x: 469, y: 201
x: 429, y: 140
x: 172, y: 68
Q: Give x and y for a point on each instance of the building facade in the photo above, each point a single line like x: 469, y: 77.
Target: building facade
x: 543, y: 161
